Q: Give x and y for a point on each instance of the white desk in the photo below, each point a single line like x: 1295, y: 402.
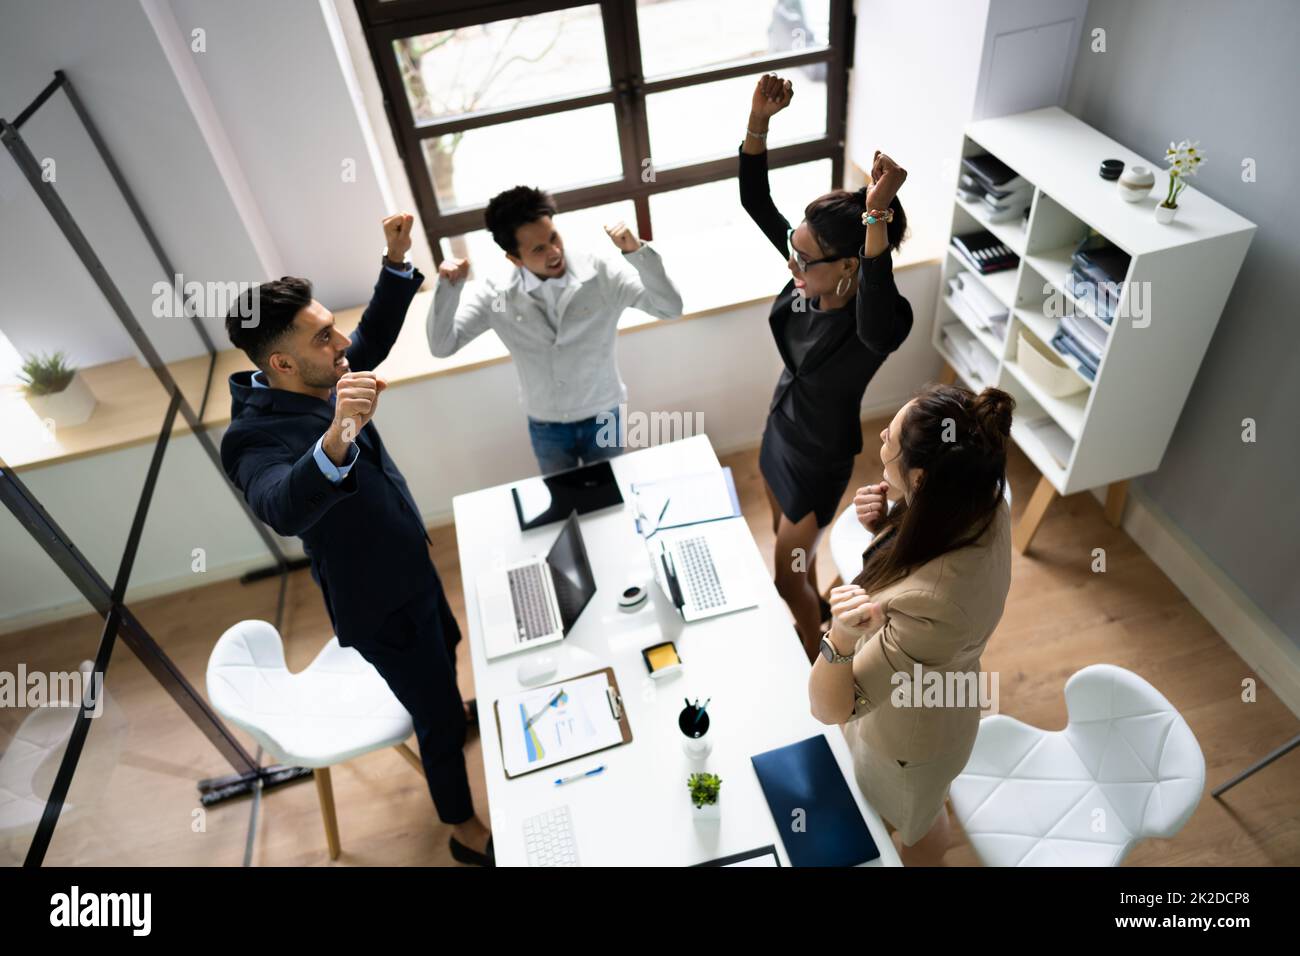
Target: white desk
x: 750, y: 663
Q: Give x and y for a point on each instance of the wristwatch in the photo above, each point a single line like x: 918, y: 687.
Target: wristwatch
x: 831, y: 654
x: 405, y: 265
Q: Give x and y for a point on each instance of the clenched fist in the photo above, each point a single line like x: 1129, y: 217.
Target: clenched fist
x: 886, y: 179
x: 871, y: 502
x: 453, y: 270
x: 356, y: 398
x: 771, y: 95
x: 397, y: 233
x: 623, y: 237
x: 853, y: 614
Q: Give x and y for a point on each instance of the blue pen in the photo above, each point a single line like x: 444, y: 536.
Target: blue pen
x: 578, y: 776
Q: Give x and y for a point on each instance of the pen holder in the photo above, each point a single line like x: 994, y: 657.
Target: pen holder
x: 695, y: 732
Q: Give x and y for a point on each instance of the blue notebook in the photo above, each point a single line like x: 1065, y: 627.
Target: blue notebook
x: 830, y: 830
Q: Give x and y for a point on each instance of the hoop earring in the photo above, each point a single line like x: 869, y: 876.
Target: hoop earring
x: 838, y: 290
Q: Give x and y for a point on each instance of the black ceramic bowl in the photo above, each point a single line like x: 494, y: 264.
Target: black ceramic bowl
x: 1111, y: 168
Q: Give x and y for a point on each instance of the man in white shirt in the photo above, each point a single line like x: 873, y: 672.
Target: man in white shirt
x: 558, y: 315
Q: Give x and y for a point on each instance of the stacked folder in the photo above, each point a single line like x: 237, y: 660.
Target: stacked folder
x: 1081, y: 338
x: 977, y: 305
x: 1097, y: 272
x: 985, y: 252
x: 1004, y: 195
x: 970, y: 357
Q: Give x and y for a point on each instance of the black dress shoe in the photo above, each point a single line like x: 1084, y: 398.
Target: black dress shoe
x: 463, y: 854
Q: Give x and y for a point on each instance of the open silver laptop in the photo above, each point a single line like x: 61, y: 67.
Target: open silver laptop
x: 536, y: 602
x: 699, y: 569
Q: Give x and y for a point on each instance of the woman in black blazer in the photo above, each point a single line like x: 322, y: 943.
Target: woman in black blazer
x: 834, y: 323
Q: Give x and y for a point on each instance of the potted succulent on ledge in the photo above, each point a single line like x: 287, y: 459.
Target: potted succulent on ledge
x: 55, y: 390
x: 1183, y: 158
x: 705, y: 789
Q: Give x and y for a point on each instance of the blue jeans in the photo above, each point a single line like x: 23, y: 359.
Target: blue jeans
x: 561, y: 445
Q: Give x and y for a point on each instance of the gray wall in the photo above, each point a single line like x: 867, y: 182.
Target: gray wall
x: 1228, y: 75
x: 264, y: 109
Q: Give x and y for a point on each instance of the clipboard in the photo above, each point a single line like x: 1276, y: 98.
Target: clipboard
x: 613, y: 699
x: 683, y: 500
x: 756, y: 857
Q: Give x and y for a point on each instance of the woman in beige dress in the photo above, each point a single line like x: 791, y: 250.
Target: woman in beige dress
x: 900, y: 665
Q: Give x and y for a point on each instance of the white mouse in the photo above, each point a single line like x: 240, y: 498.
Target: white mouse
x: 534, y: 670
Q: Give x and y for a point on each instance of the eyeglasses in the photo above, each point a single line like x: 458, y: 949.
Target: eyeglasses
x: 797, y: 258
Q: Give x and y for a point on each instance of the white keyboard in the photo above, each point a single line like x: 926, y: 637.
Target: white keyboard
x: 699, y: 574
x: 548, y: 837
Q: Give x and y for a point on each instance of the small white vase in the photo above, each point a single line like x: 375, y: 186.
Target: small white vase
x: 1165, y: 214
x: 72, y: 406
x: 1135, y: 182
x: 709, y: 812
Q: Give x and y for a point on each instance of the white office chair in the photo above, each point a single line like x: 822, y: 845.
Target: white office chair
x: 30, y: 762
x: 849, y: 539
x: 1125, y: 767
x: 338, y: 708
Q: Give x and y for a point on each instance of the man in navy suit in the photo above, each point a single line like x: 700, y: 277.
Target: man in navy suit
x: 303, y: 450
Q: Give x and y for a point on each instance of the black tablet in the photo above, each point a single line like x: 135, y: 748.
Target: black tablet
x: 543, y: 500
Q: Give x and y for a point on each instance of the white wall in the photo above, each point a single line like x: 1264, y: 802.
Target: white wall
x: 112, y: 54
x: 238, y: 185
x: 935, y: 66
x: 912, y: 98
x: 273, y: 75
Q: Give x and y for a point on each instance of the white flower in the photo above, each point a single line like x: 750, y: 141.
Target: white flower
x: 1184, y: 157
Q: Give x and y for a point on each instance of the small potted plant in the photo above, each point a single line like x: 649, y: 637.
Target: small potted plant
x: 1183, y: 158
x: 705, y: 789
x: 55, y: 390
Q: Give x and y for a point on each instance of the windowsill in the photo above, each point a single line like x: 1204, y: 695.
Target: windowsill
x: 132, y: 403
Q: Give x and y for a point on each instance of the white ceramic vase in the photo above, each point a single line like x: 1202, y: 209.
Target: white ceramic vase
x: 1135, y: 182
x: 72, y: 406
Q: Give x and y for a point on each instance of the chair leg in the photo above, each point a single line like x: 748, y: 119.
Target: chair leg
x: 948, y: 375
x: 325, y: 791
x: 1023, y: 532
x: 410, y: 757
x: 1115, y: 495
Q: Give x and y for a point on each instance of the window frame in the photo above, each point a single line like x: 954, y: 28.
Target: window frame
x: 386, y: 21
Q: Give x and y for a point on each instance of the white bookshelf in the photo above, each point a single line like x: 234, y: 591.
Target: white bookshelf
x: 1179, y: 273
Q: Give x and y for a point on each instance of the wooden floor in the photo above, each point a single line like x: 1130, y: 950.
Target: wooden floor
x: 134, y: 799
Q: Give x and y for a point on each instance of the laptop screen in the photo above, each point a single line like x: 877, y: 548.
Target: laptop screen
x: 571, y: 572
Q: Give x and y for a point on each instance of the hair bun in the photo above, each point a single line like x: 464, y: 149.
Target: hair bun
x: 992, y: 409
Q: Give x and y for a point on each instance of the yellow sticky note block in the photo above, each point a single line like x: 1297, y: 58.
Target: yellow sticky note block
x: 665, y: 655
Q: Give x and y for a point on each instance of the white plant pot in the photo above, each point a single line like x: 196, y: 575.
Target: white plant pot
x: 72, y: 406
x: 1165, y: 213
x: 709, y: 812
x: 1135, y: 182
